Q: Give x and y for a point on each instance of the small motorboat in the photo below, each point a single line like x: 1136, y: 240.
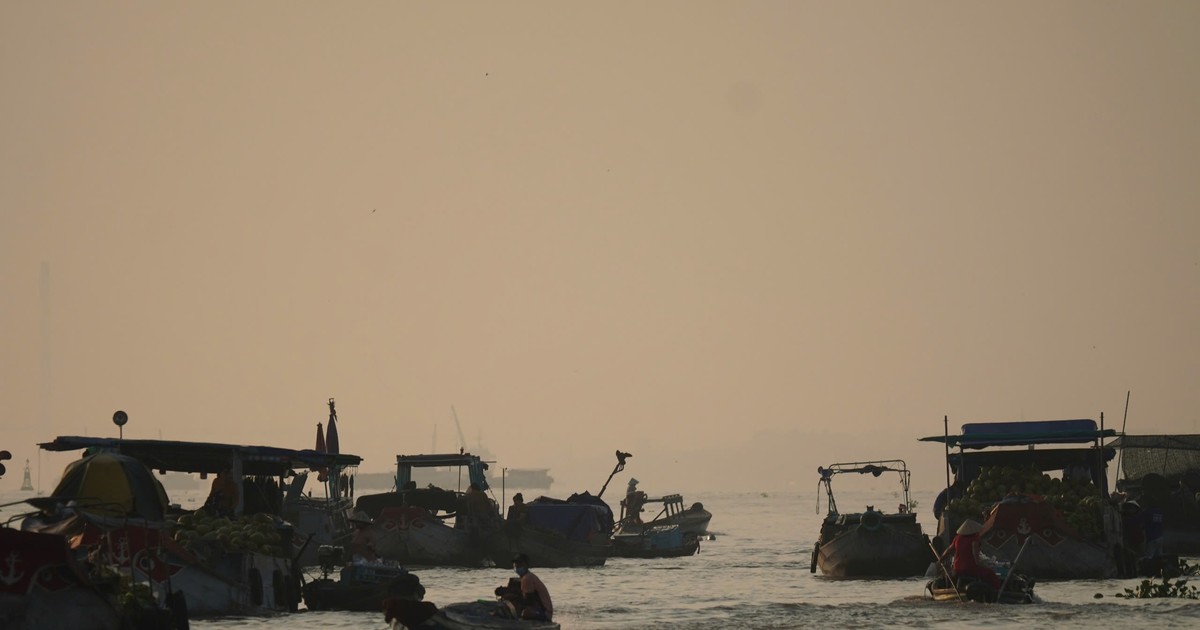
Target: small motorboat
x: 476, y: 615
x: 1017, y: 589
x: 361, y: 586
x: 664, y: 541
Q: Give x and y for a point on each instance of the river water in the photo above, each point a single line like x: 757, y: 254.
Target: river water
x: 755, y: 574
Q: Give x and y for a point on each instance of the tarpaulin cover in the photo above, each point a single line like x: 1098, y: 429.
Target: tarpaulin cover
x: 113, y: 485
x: 1171, y: 456
x: 577, y: 518
x: 987, y: 434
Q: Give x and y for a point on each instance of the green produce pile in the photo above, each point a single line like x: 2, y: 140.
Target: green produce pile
x: 1078, y: 500
x: 253, y: 533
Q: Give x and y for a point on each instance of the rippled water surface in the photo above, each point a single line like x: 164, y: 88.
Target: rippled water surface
x: 755, y: 574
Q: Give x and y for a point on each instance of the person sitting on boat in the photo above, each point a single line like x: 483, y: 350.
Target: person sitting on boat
x: 968, y: 561
x: 535, y: 597
x: 633, y: 502
x: 224, y: 495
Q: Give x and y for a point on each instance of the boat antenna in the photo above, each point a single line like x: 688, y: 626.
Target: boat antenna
x: 621, y: 457
x: 1126, y: 417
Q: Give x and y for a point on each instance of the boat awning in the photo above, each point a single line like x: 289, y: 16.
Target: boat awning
x: 989, y: 434
x: 208, y: 457
x: 1190, y: 442
x: 1167, y: 455
x: 444, y: 459
x: 1041, y: 459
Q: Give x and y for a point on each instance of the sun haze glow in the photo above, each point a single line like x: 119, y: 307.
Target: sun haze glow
x: 738, y: 240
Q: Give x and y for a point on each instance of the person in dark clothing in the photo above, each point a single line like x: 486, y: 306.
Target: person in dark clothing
x: 1152, y: 524
x: 944, y: 498
x: 518, y: 511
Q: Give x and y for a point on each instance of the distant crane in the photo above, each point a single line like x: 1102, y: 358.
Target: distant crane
x: 462, y: 440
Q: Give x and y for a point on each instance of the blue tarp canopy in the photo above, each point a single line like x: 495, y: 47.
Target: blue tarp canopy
x: 575, y: 521
x: 988, y: 434
x: 577, y: 518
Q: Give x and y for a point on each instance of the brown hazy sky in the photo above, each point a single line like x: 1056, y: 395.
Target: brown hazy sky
x: 738, y: 239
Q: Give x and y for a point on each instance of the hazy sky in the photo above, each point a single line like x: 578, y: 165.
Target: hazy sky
x: 737, y: 239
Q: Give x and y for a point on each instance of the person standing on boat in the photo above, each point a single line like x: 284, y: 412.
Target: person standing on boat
x: 518, y: 510
x: 955, y: 491
x: 634, y: 500
x: 1152, y: 526
x: 537, y: 604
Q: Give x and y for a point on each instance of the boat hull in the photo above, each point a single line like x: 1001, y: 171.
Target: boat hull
x: 1055, y: 551
x: 662, y: 542
x: 882, y: 546
x: 412, y: 536
x: 1017, y: 591
x: 363, y: 588
x: 692, y: 522
x: 626, y: 549
x: 548, y: 548
x: 478, y: 616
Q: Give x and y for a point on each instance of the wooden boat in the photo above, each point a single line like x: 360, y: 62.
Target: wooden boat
x: 476, y: 615
x: 575, y: 532
x: 1164, y: 470
x: 45, y: 585
x: 871, y: 543
x: 242, y: 563
x: 321, y: 520
x: 361, y: 586
x: 1072, y: 530
x: 692, y: 521
x: 663, y: 541
x: 1018, y: 590
x: 409, y: 524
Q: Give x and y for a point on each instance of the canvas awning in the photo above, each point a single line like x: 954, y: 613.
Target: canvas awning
x: 208, y: 457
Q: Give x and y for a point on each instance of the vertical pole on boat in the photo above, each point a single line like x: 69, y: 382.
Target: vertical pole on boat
x: 1101, y: 463
x: 503, y: 486
x: 946, y: 434
x: 1012, y: 567
x: 946, y: 572
x: 1120, y: 452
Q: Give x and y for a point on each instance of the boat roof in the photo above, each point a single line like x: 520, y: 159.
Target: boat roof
x: 439, y: 459
x: 1184, y: 442
x: 1042, y: 459
x: 988, y: 434
x: 207, y: 457
x: 876, y: 467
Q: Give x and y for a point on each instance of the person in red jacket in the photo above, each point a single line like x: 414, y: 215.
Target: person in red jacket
x: 967, y: 559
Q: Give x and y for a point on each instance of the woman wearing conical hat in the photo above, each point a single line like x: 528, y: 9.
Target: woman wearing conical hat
x: 967, y: 560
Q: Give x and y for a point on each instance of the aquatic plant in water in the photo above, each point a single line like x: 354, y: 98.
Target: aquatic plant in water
x: 1167, y: 587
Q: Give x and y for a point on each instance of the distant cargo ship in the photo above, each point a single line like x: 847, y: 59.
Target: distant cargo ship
x: 531, y: 478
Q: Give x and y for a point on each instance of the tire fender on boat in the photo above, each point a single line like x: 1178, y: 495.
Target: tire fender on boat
x: 871, y: 520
